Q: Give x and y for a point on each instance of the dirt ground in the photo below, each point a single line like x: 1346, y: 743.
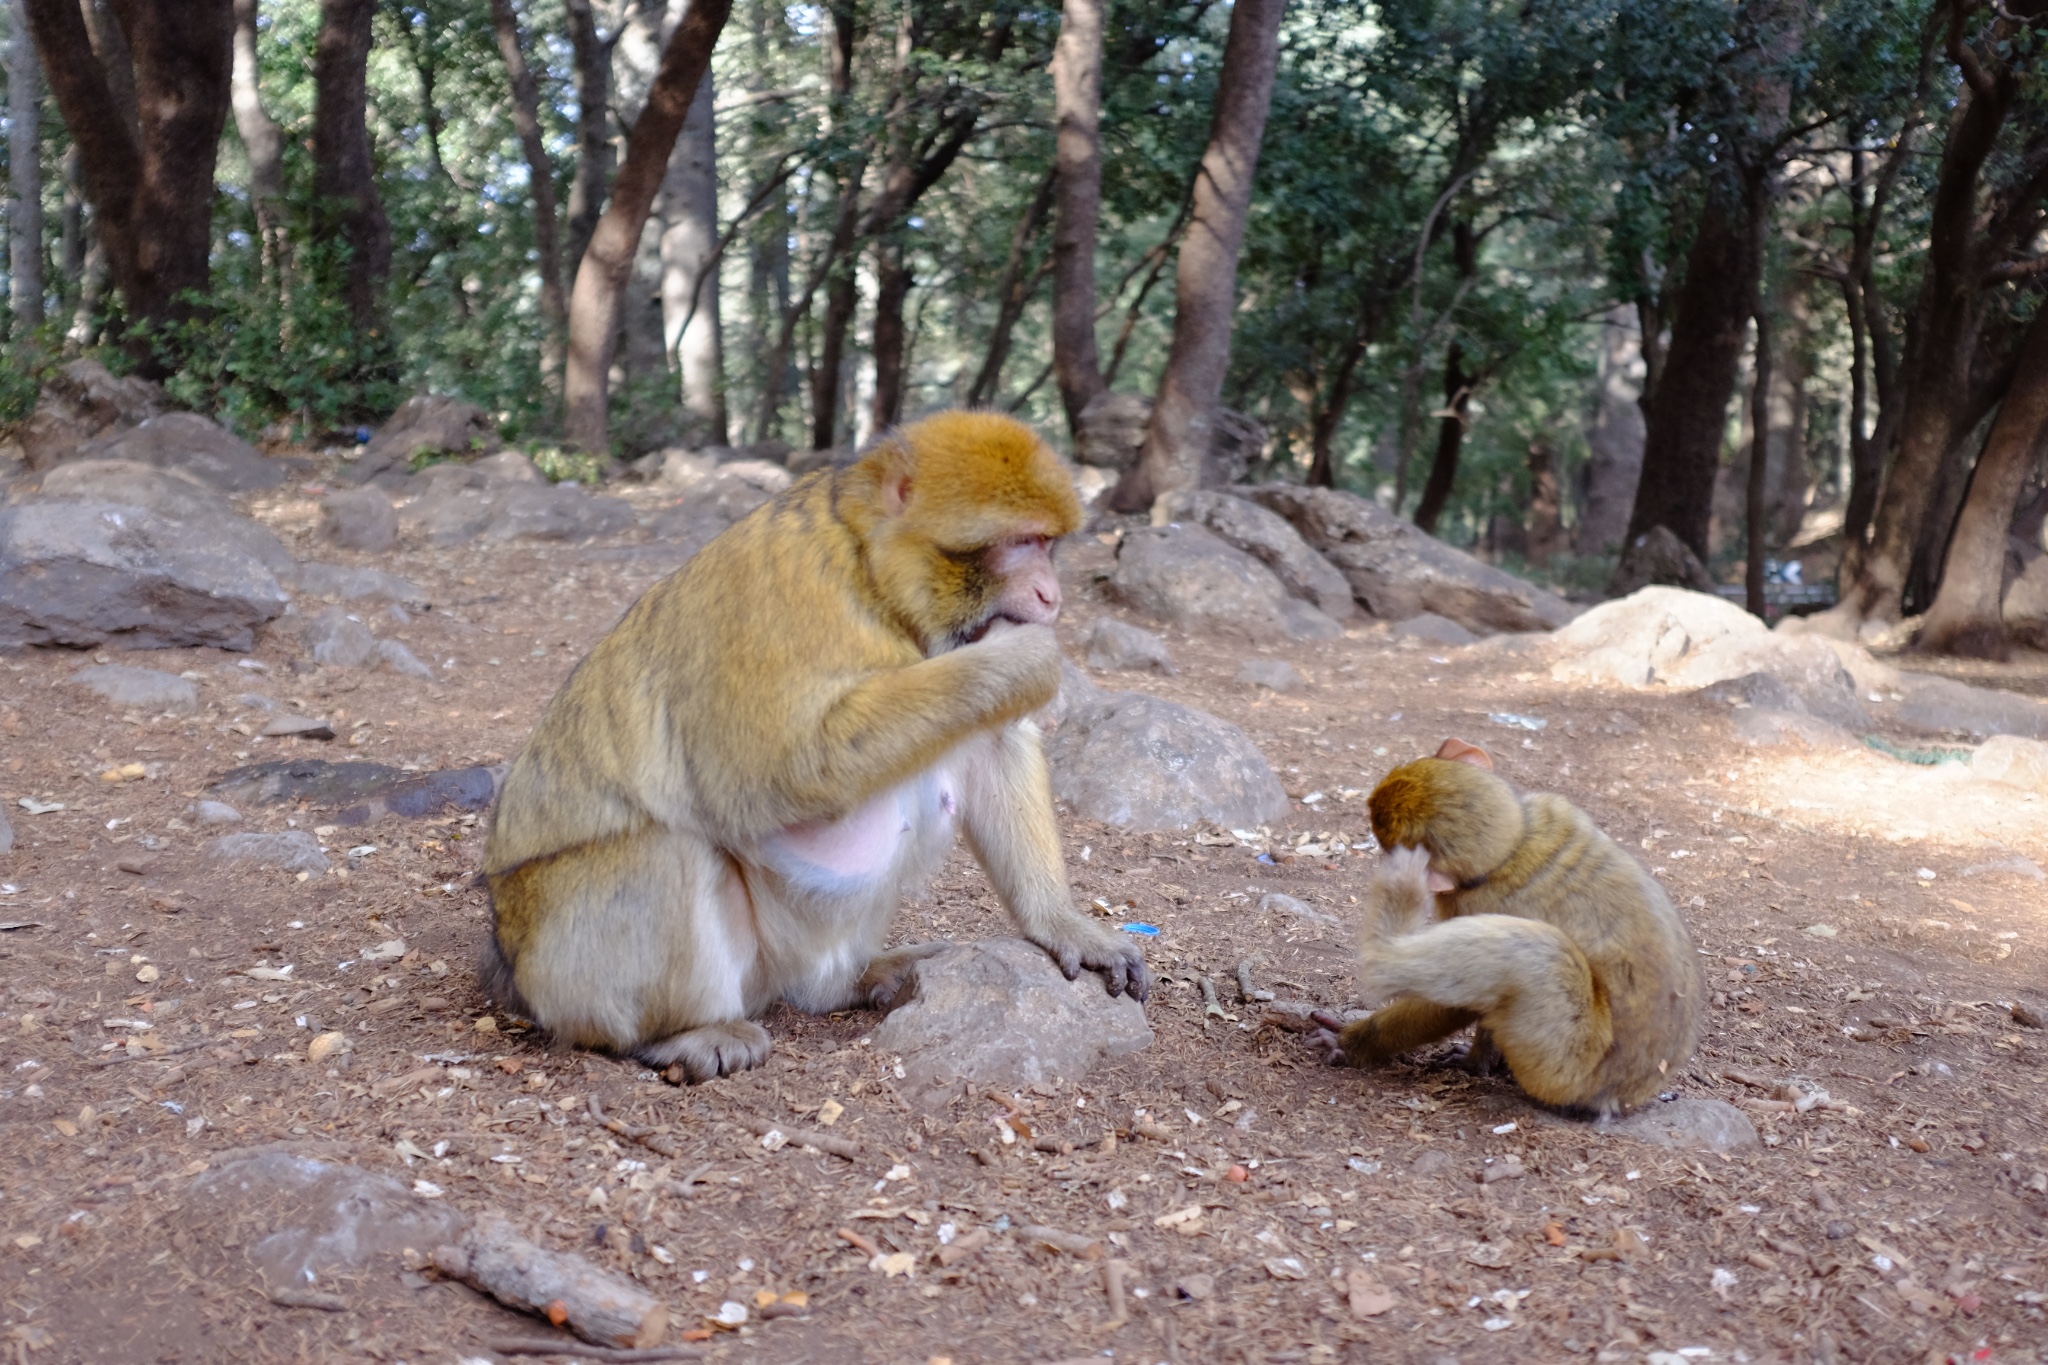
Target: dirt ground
x: 1868, y: 927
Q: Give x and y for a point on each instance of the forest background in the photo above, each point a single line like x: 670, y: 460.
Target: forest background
x: 1543, y: 276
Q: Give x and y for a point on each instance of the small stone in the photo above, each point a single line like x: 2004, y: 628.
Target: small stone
x: 144, y: 688
x: 1114, y: 644
x: 402, y: 661
x: 325, y: 1046
x: 1433, y: 629
x: 1275, y: 675
x: 215, y: 813
x: 336, y: 639
x: 298, y: 727
x: 291, y: 851
x: 360, y: 519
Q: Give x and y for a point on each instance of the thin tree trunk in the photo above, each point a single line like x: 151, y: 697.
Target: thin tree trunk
x: 1967, y: 610
x: 540, y: 174
x: 1329, y: 416
x: 690, y: 320
x: 779, y: 355
x: 344, y: 174
x: 593, y: 178
x: 1450, y: 439
x: 262, y: 139
x: 1178, y: 435
x: 420, y: 39
x: 893, y: 281
x: 1015, y: 290
x: 608, y: 261
x: 150, y: 181
x: 840, y: 284
x: 1759, y: 463
x: 25, y: 172
x: 1545, y: 522
x: 1077, y: 111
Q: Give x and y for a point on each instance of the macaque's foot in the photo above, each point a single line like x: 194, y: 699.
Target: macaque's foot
x: 703, y: 1054
x: 1328, y: 1040
x: 888, y: 975
x: 1482, y: 1057
x: 1121, y: 961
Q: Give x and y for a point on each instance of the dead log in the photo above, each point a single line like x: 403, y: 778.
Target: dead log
x: 602, y: 1308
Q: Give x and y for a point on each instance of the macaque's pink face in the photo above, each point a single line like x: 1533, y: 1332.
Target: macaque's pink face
x: 1030, y: 593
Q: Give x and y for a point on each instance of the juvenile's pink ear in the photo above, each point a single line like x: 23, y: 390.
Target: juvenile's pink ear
x: 1458, y: 751
x: 896, y: 491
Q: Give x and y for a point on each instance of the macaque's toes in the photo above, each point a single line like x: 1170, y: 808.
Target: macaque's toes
x: 703, y: 1054
x: 1326, y: 1042
x: 888, y: 975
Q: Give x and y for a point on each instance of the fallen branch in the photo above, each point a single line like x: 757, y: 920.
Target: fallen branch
x: 804, y: 1137
x: 1113, y: 1273
x: 653, y: 1139
x: 1072, y: 1243
x: 546, y: 1346
x: 865, y: 1246
x: 308, y: 1298
x: 602, y: 1308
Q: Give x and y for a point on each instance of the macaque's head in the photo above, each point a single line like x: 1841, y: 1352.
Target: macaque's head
x: 1456, y: 807
x: 961, y: 513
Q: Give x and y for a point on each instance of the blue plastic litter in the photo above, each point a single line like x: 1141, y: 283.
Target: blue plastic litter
x: 1267, y: 859
x: 1148, y: 930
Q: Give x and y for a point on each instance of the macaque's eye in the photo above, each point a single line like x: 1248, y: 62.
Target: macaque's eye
x: 1007, y: 556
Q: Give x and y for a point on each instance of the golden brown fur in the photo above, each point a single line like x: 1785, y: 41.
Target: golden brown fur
x: 726, y: 800
x: 1518, y: 915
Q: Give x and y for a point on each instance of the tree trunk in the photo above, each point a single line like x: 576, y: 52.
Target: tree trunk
x: 593, y: 177
x: 841, y: 292
x: 540, y: 174
x: 1758, y: 478
x: 262, y: 139
x: 150, y: 181
x: 1614, y: 439
x: 689, y: 270
x: 1177, y: 437
x: 893, y: 281
x: 1335, y: 399
x: 1014, y: 290
x: 344, y: 174
x: 25, y: 172
x: 1545, y: 522
x: 1450, y: 439
x: 1966, y: 617
x: 1077, y: 170
x: 608, y: 261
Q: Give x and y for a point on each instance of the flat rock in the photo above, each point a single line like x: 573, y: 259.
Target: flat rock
x: 215, y: 813
x: 315, y: 781
x: 1189, y: 578
x: 1267, y: 537
x: 1121, y: 646
x: 2017, y: 762
x: 147, y: 688
x: 1690, y: 1125
x: 1432, y: 629
x: 425, y: 794
x: 1647, y: 637
x: 186, y: 441
x: 352, y: 584
x: 1145, y: 763
x: 427, y: 423
x: 173, y: 494
x: 360, y: 519
x: 1804, y: 672
x: 1399, y: 571
x: 85, y: 573
x: 1275, y: 675
x: 999, y: 1013
x: 292, y: 850
x: 304, y: 1221
x: 562, y: 511
x: 1942, y: 706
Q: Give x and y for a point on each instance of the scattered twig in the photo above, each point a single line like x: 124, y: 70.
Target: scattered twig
x: 1245, y: 988
x: 863, y: 1245
x: 683, y: 1187
x: 963, y: 1246
x: 166, y: 1053
x: 1211, y: 1006
x: 1113, y: 1273
x: 805, y: 1137
x: 1072, y: 1243
x: 308, y: 1298
x: 653, y: 1139
x: 545, y: 1346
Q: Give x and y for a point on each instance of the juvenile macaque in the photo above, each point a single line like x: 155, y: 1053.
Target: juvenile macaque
x: 1518, y: 915
x: 727, y: 799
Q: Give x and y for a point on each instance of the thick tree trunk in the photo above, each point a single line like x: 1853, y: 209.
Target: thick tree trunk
x: 261, y: 138
x: 150, y: 179
x: 608, y: 261
x: 1177, y: 437
x: 893, y: 281
x: 25, y: 172
x: 1757, y: 481
x: 344, y: 173
x: 540, y: 174
x: 593, y: 178
x: 1015, y: 289
x: 1450, y: 440
x: 1077, y: 111
x: 1967, y: 610
x: 690, y: 322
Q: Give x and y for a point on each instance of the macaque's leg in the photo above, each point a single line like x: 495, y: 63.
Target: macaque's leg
x: 1008, y: 819
x: 709, y: 1052
x: 1400, y: 1027
x: 889, y: 973
x: 1483, y: 1057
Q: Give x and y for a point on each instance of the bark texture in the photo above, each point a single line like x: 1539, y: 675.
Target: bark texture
x: 262, y: 139
x: 1077, y: 111
x: 1177, y: 438
x: 593, y: 54
x: 540, y: 173
x: 25, y: 172
x: 1450, y: 440
x: 344, y: 173
x: 690, y: 325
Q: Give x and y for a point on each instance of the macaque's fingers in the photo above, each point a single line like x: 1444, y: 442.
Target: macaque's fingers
x: 1406, y: 864
x: 1121, y: 963
x: 1327, y: 1043
x: 1329, y: 1021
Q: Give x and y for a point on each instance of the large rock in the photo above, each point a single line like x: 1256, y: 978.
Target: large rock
x: 1942, y: 706
x: 1398, y: 571
x: 451, y: 512
x: 173, y: 494
x: 1145, y: 763
x: 714, y: 500
x: 186, y: 441
x: 1120, y: 646
x: 1800, y: 668
x: 427, y: 423
x: 360, y: 519
x: 1189, y: 578
x: 80, y: 401
x: 85, y: 573
x: 147, y: 688
x: 1266, y: 536
x: 304, y: 1221
x: 1647, y: 637
x: 999, y: 1013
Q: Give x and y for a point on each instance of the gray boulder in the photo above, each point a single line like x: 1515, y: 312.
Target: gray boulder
x: 1149, y: 764
x: 350, y: 584
x: 1398, y: 571
x: 85, y: 573
x: 1942, y: 706
x: 173, y: 494
x: 562, y: 511
x: 1688, y: 1125
x: 1118, y: 645
x: 1275, y: 675
x: 1267, y: 537
x: 80, y: 401
x: 1647, y: 637
x: 360, y: 519
x: 424, y: 424
x: 509, y: 466
x: 716, y: 499
x: 1658, y: 558
x: 186, y: 441
x: 1432, y: 629
x: 293, y: 850
x: 999, y: 1013
x: 145, y: 688
x: 1804, y: 673
x: 1187, y: 577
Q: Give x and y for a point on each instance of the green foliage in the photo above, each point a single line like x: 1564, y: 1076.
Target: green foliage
x: 566, y: 466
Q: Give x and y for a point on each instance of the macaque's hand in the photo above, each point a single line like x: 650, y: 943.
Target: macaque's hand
x: 1119, y: 959
x: 1022, y: 664
x: 1403, y: 896
x: 1328, y: 1041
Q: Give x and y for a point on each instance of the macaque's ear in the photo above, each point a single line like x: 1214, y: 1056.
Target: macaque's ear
x: 1458, y: 751
x: 1440, y: 883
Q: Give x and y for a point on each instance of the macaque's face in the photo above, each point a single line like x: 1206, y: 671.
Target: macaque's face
x: 1030, y: 591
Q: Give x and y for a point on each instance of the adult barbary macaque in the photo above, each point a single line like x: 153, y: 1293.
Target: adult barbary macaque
x: 1559, y: 946
x: 727, y: 799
